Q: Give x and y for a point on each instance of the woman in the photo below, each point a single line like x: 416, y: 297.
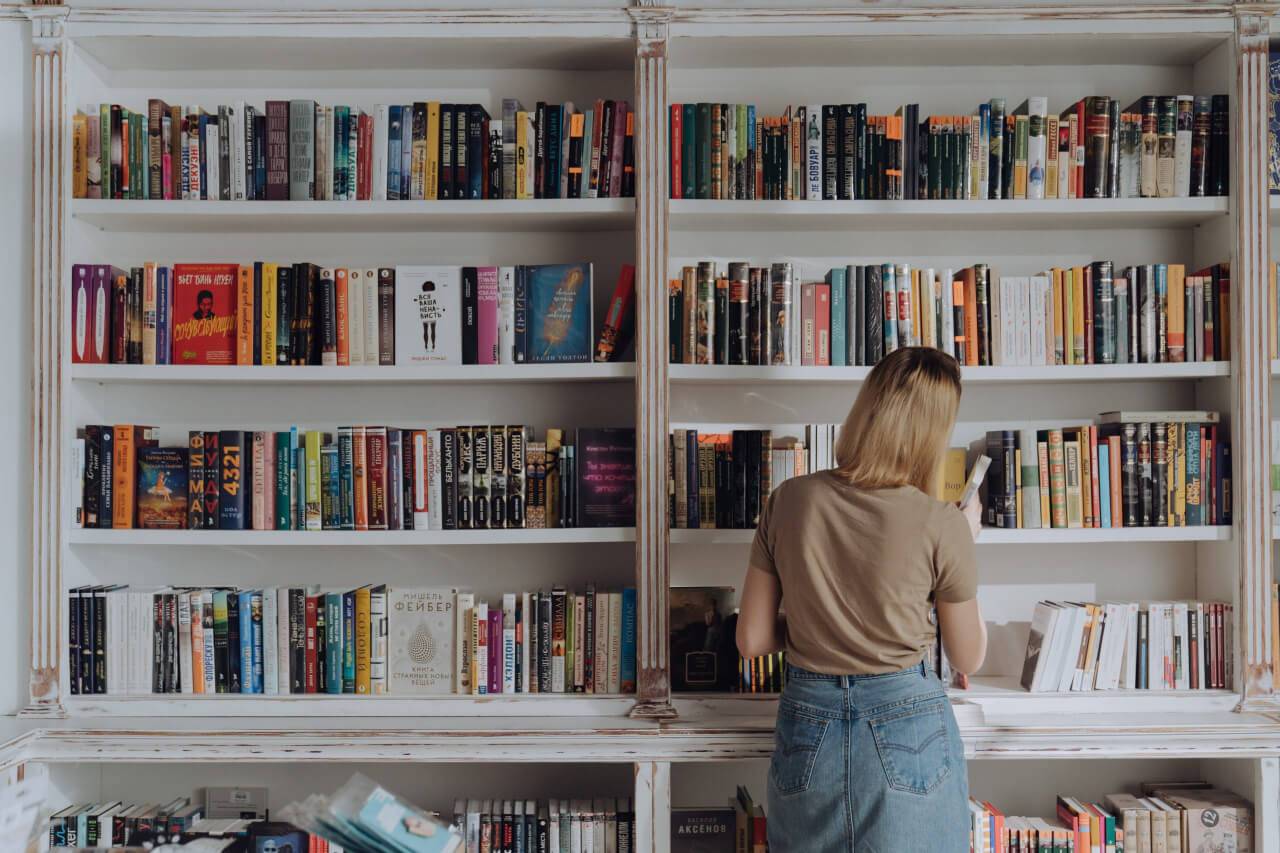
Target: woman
x: 867, y: 754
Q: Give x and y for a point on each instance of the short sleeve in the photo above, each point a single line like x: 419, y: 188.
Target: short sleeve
x: 762, y: 545
x: 955, y: 566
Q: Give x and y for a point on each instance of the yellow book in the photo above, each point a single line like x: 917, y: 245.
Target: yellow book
x: 1059, y: 351
x: 431, y: 187
x: 1042, y: 451
x: 79, y: 156
x: 951, y: 475
x: 1051, y: 157
x: 1180, y: 476
x: 363, y: 648
x: 1077, y: 315
x: 1017, y: 483
x: 522, y: 152
x: 1176, y: 334
x: 917, y: 309
x: 1068, y: 322
x: 1086, y: 480
x: 244, y: 316
x: 268, y: 311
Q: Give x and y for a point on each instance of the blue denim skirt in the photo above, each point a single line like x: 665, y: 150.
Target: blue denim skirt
x: 867, y: 763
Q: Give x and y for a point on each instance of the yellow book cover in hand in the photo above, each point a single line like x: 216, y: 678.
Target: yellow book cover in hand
x: 951, y: 475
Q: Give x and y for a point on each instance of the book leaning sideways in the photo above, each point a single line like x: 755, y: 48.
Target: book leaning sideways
x: 366, y: 818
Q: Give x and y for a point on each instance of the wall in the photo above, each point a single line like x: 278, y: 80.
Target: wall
x: 15, y: 359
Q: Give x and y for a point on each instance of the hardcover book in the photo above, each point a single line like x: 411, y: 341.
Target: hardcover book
x: 162, y: 488
x: 204, y: 312
x: 702, y: 830
x: 428, y: 315
x: 703, y: 650
x: 560, y: 313
x: 606, y: 477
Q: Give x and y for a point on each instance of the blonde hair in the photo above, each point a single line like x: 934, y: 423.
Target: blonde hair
x: 901, y: 422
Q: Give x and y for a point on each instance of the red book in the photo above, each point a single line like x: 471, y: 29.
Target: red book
x: 808, y: 323
x: 312, y: 603
x: 1081, y: 135
x: 677, y: 143
x: 204, y: 313
x: 376, y: 475
x: 82, y: 314
x: 364, y: 148
x: 822, y: 324
x: 619, y: 322
x: 1077, y: 824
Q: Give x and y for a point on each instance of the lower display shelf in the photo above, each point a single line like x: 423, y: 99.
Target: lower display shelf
x: 254, y: 538
x: 325, y: 705
x: 1004, y: 536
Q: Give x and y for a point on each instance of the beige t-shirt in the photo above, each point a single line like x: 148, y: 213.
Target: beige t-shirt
x: 860, y: 570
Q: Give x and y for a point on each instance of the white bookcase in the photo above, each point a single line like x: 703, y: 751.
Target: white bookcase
x: 659, y: 749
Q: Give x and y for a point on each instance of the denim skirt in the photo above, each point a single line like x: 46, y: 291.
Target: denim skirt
x: 867, y: 764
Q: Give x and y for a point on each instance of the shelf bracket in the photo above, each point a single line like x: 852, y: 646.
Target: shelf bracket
x: 50, y: 172
x: 653, y: 570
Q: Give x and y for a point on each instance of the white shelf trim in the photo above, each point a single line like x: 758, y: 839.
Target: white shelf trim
x: 731, y: 374
x: 331, y: 538
x: 313, y: 375
x: 999, y: 536
x: 321, y: 705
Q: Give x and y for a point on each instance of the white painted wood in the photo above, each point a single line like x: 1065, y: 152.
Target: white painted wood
x: 1050, y: 214
x: 998, y: 536
x: 119, y: 374
x: 352, y: 538
x: 154, y: 217
x: 753, y: 375
x: 653, y: 806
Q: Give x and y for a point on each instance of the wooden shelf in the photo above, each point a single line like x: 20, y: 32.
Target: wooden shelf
x: 143, y: 216
x: 694, y: 374
x: 984, y: 215
x: 331, y: 538
x: 1000, y: 536
x: 324, y: 705
x: 514, y: 374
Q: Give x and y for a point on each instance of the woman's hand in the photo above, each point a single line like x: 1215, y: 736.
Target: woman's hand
x: 973, y: 514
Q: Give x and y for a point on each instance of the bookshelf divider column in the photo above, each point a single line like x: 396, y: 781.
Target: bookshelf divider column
x: 1250, y: 352
x: 50, y: 176
x: 652, y: 395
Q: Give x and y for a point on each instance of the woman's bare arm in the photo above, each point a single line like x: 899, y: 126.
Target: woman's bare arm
x: 761, y: 628
x: 964, y: 634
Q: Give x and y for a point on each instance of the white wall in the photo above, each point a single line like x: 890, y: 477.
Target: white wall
x: 15, y: 360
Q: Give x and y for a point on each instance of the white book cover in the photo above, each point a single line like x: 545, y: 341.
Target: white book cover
x: 238, y: 154
x: 948, y: 343
x: 604, y: 629
x: 1202, y: 645
x: 281, y: 629
x: 77, y: 482
x: 381, y: 118
x: 1129, y: 674
x: 1030, y: 480
x: 270, y: 644
x: 1039, y: 641
x: 553, y: 825
x: 1039, y: 319
x: 506, y: 315
x: 1022, y: 335
x: 211, y: 156
x: 1037, y: 109
x: 1071, y: 648
x: 1182, y: 147
x: 1066, y: 163
x: 473, y: 825
x: 355, y: 316
x: 435, y: 505
x: 323, y: 159
x: 1155, y: 647
x: 1110, y: 630
x: 370, y: 277
x: 184, y: 644
x: 378, y: 640
x: 1000, y: 331
x: 463, y: 638
x: 1183, y: 669
x: 813, y: 150
x: 428, y: 315
x: 206, y: 613
x: 525, y: 616
x: 139, y: 663
x: 421, y: 487
x: 115, y: 671
x: 420, y: 655
x: 509, y: 643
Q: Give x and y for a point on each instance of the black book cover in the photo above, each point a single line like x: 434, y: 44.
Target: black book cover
x: 982, y: 289
x: 757, y: 318
x: 702, y: 830
x: 703, y: 651
x: 675, y: 327
x: 250, y: 153
x: 751, y: 465
x: 234, y: 480
x: 462, y: 477
x: 386, y: 316
x: 1113, y: 148
x: 540, y: 150
x: 328, y: 318
x: 171, y: 661
x: 498, y: 459
x: 481, y: 474
x: 555, y: 113
x: 74, y: 607
x: 212, y: 480
x: 606, y: 477
x: 738, y: 315
x: 89, y: 639
x: 1146, y: 476
x: 92, y: 475
x: 449, y: 479
x: 1104, y: 313
x: 859, y: 187
x: 629, y: 157
x: 830, y: 151
x: 738, y: 489
x: 257, y: 314
x: 544, y: 643
x: 874, y: 314
x: 1219, y: 173
x: 284, y: 313
x: 493, y: 166
x: 609, y: 116
x: 470, y: 316
x: 720, y: 338
x: 445, y: 168
x: 1006, y: 157
x: 407, y: 463
x: 516, y: 476
x: 1097, y: 136
x: 1160, y: 474
x: 233, y: 643
x: 157, y: 643
x: 259, y: 156
x: 321, y: 642
x: 477, y: 161
x: 297, y: 641
x: 702, y: 135
x: 461, y: 151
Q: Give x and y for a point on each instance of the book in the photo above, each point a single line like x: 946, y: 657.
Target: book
x: 162, y: 488
x: 204, y: 310
x: 559, y: 319
x: 428, y: 314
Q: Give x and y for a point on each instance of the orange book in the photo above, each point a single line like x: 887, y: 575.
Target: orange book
x: 970, y: 317
x: 244, y: 316
x: 359, y: 478
x: 1177, y: 301
x: 1117, y: 496
x: 123, y: 476
x: 957, y: 300
x: 344, y: 329
x: 999, y: 841
x: 917, y: 297
x: 1078, y: 355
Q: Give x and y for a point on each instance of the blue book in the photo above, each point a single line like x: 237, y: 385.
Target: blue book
x: 751, y: 148
x: 348, y: 642
x: 204, y: 159
x: 246, y: 642
x: 890, y: 295
x: 559, y: 313
x: 333, y: 628
x: 1273, y: 119
x: 1162, y: 302
x: 255, y: 613
x: 393, y: 152
x: 1104, y: 482
x: 627, y: 661
x: 836, y: 279
x: 164, y: 298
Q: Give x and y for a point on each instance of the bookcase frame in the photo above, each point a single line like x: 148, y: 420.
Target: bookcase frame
x: 1245, y: 723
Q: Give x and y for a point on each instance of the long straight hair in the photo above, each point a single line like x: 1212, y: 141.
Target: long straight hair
x: 901, y: 422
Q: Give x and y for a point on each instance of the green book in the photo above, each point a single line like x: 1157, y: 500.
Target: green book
x: 284, y: 451
x: 333, y: 648
x: 313, y: 519
x: 688, y: 153
x: 349, y: 642
x: 104, y: 147
x: 836, y: 278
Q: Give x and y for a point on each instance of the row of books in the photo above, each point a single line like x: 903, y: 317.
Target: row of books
x: 300, y: 150
x: 740, y: 827
x: 1184, y: 645
x: 599, y: 825
x: 373, y: 640
x: 367, y: 478
x: 1162, y: 146
x: 1131, y: 469
x: 1178, y: 817
x: 1087, y: 314
x: 723, y: 479
x: 304, y: 314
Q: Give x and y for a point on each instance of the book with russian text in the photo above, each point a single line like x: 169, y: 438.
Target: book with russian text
x: 428, y: 315
x: 204, y: 313
x: 559, y: 313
